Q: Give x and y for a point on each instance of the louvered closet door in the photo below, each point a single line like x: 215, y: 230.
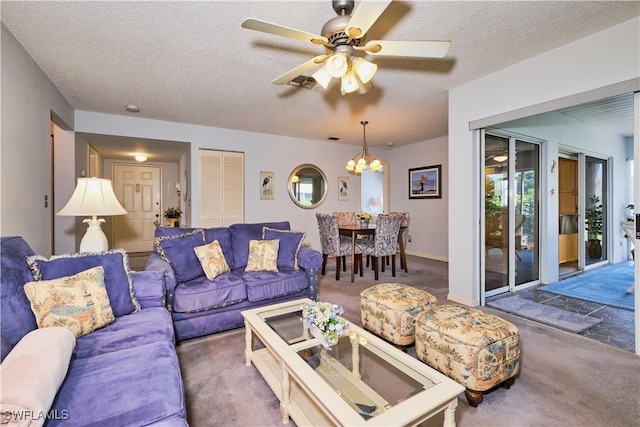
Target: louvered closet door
x: 221, y: 188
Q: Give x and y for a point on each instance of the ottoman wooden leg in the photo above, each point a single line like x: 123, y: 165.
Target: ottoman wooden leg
x: 508, y: 383
x: 473, y: 397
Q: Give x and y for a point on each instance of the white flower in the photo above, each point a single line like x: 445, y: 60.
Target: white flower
x: 325, y: 317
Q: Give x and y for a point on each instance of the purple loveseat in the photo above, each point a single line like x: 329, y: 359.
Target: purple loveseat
x: 124, y: 374
x: 200, y: 306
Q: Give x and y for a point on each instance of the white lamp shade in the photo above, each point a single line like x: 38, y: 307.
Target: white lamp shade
x: 349, y: 82
x: 337, y: 64
x: 323, y: 77
x: 92, y: 197
x: 364, y: 69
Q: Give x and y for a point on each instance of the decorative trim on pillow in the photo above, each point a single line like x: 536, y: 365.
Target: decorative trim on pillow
x: 177, y: 250
x: 263, y: 255
x: 79, y: 303
x: 212, y: 259
x: 117, y: 270
x: 290, y: 244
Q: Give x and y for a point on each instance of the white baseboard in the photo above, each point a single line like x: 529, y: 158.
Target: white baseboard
x: 429, y: 256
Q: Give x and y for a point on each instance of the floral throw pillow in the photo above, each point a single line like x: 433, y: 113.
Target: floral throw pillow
x: 212, y: 259
x: 78, y: 303
x: 263, y: 255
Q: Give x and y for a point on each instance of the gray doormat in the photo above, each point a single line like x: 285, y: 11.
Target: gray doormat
x: 552, y: 316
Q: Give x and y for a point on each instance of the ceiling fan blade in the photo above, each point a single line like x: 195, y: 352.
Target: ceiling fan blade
x: 300, y: 69
x: 420, y: 49
x: 280, y: 30
x: 363, y: 17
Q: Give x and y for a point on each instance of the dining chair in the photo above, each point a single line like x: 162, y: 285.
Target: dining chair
x: 331, y: 243
x: 385, y: 242
x: 404, y: 235
x: 345, y: 218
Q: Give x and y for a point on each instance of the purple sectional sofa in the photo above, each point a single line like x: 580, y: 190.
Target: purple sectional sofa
x: 126, y: 373
x: 200, y: 306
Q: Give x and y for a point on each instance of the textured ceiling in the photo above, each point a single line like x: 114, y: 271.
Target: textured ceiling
x: 192, y: 62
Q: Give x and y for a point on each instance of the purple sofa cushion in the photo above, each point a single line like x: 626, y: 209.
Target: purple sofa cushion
x: 133, y: 330
x: 5, y: 347
x: 117, y: 275
x: 264, y: 285
x: 178, y: 251
x: 131, y: 387
x: 170, y: 231
x: 16, y: 319
x: 240, y: 236
x: 223, y: 236
x: 203, y: 294
x: 290, y: 243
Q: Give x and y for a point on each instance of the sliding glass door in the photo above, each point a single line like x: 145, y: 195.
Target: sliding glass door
x: 595, y: 211
x: 511, y: 213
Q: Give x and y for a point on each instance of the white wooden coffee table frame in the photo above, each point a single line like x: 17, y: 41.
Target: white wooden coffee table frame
x: 309, y: 400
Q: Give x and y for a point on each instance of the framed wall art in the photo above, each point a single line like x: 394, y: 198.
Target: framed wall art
x: 266, y: 185
x: 425, y: 182
x: 343, y: 188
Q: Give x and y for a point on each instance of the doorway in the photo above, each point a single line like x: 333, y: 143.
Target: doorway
x: 511, y: 213
x: 138, y: 189
x: 568, y: 216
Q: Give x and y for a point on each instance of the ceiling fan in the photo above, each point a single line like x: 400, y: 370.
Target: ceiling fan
x: 343, y: 36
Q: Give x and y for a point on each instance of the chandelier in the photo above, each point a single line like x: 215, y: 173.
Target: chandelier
x: 363, y: 161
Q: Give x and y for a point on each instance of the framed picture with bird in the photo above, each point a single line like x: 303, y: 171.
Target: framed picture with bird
x: 266, y: 185
x: 343, y: 188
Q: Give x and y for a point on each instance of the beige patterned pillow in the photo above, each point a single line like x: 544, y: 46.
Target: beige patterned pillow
x: 263, y: 255
x: 212, y: 259
x: 78, y: 303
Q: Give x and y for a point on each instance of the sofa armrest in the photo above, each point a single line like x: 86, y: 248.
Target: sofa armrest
x: 156, y: 263
x: 309, y: 258
x: 310, y: 262
x: 149, y: 288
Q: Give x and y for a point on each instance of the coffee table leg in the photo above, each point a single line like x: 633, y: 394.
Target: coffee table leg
x: 450, y: 414
x: 284, y: 401
x: 247, y: 343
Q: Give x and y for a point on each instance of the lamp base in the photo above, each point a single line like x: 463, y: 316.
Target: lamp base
x: 94, y: 239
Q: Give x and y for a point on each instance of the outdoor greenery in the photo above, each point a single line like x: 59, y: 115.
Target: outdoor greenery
x: 593, y: 218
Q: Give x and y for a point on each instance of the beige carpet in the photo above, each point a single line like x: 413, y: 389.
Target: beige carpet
x: 566, y: 379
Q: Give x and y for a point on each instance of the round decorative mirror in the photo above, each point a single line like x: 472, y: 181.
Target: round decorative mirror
x: 307, y: 186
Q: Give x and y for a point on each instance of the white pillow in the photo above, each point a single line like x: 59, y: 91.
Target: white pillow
x: 32, y: 373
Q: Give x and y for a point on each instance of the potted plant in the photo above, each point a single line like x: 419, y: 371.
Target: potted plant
x: 593, y: 221
x: 173, y: 215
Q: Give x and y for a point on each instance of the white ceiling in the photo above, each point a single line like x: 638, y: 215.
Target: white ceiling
x: 192, y: 62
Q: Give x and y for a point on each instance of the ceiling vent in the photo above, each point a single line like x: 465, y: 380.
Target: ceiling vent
x: 304, y: 81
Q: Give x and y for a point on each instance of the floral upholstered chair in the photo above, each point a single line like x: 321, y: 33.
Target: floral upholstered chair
x: 346, y: 218
x: 385, y: 242
x: 331, y: 243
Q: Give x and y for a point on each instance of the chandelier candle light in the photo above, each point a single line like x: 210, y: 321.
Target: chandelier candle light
x: 360, y: 162
x: 93, y: 197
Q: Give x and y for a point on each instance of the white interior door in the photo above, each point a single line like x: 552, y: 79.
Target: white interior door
x: 138, y: 189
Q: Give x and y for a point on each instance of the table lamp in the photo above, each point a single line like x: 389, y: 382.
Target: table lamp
x: 93, y: 197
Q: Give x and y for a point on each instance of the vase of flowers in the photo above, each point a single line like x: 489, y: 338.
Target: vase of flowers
x: 364, y: 218
x: 324, y: 322
x: 173, y: 214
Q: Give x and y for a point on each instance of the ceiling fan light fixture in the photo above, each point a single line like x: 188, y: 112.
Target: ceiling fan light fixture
x: 337, y: 65
x: 323, y: 77
x: 349, y: 82
x: 364, y: 69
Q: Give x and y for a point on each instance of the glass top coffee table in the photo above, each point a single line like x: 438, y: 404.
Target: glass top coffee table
x: 362, y: 380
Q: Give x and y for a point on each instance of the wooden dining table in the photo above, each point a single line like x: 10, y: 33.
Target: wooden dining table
x: 357, y: 230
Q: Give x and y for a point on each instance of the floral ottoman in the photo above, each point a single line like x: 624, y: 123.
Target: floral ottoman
x: 474, y: 348
x: 389, y: 309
